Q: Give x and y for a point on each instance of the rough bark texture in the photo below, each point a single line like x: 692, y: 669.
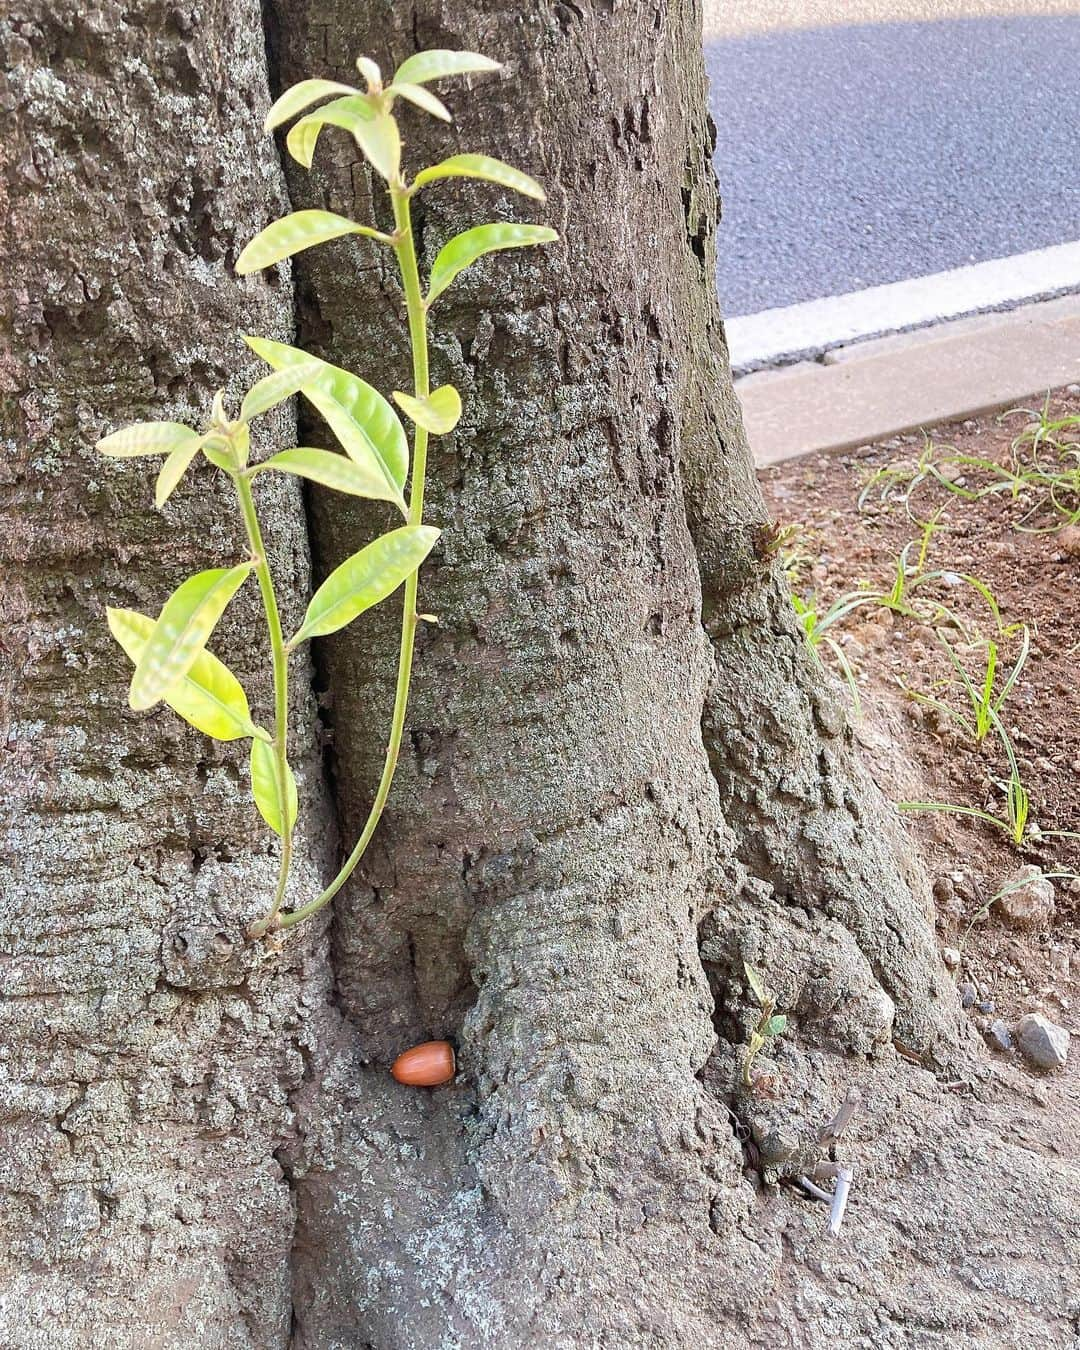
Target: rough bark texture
x: 557, y: 834
x: 613, y: 791
x: 146, y: 1056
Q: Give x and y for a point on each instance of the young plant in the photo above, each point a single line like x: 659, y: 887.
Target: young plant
x: 984, y: 700
x: 814, y: 626
x: 769, y: 1023
x: 172, y: 664
x: 1017, y: 799
x: 1041, y: 472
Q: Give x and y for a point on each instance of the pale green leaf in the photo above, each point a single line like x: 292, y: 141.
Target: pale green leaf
x: 375, y: 132
x: 174, y: 468
x: 437, y: 413
x: 276, y: 388
x: 209, y: 696
x: 366, y: 578
x: 266, y: 790
x: 218, y: 449
x: 182, y: 629
x: 293, y: 233
x: 776, y: 1026
x: 332, y: 471
x: 369, y: 430
x: 465, y: 248
x: 370, y: 71
x: 148, y: 438
x: 422, y: 98
x: 437, y: 64
x: 482, y: 166
x: 302, y: 96
x: 756, y: 983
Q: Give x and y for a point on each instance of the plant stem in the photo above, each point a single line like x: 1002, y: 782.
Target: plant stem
x: 416, y: 309
x: 281, y: 691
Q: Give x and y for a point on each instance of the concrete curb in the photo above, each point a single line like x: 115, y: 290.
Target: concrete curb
x: 803, y: 332
x: 867, y: 391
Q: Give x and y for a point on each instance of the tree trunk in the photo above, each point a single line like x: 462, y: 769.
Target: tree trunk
x: 149, y: 1055
x: 623, y: 776
x: 565, y: 848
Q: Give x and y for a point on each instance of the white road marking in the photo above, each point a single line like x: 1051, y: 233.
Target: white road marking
x: 796, y: 332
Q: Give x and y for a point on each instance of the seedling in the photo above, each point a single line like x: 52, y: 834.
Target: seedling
x: 813, y: 626
x: 1017, y: 800
x: 172, y: 664
x: 1042, y: 472
x: 769, y: 1023
x: 984, y: 700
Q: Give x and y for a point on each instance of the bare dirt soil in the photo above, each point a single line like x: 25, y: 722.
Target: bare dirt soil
x: 1035, y: 579
x: 963, y: 1228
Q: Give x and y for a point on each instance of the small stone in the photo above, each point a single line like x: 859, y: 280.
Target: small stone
x: 1068, y: 540
x: 986, y: 1006
x: 951, y: 957
x: 967, y: 994
x: 998, y: 1036
x: 1041, y: 1041
x: 1027, y: 899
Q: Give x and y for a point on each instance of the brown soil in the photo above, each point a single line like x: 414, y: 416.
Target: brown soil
x: 917, y: 753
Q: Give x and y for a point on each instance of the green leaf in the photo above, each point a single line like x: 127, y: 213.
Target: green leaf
x: 219, y: 450
x: 437, y: 413
x: 482, y: 166
x: 174, y: 468
x: 148, y: 438
x: 437, y: 64
x: 185, y: 623
x: 292, y: 234
x: 370, y: 71
x: 332, y: 471
x: 375, y: 132
x: 302, y: 96
x: 776, y: 1026
x: 276, y: 388
x: 465, y: 248
x: 209, y: 696
x: 422, y: 98
x: 363, y: 421
x: 756, y: 983
x: 364, y: 579
x: 264, y: 788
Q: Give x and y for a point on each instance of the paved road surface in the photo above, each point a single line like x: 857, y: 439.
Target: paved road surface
x: 850, y: 156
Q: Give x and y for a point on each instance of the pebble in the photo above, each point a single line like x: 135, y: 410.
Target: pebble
x: 986, y: 1006
x: 998, y: 1036
x: 967, y: 994
x: 1068, y: 540
x: 1028, y: 899
x: 951, y: 957
x: 1042, y: 1042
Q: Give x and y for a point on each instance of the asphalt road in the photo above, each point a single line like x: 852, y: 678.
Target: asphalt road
x: 851, y: 156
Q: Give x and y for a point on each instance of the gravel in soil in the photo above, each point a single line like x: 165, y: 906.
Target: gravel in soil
x: 1024, y: 961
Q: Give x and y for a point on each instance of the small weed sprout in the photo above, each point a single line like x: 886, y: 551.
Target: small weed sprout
x: 769, y: 1022
x: 171, y: 662
x: 1014, y: 821
x: 985, y: 700
x: 1041, y: 472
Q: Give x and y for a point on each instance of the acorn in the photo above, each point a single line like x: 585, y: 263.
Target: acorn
x: 425, y: 1065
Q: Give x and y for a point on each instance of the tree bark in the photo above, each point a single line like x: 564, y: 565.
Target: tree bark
x: 149, y: 1056
x: 613, y: 795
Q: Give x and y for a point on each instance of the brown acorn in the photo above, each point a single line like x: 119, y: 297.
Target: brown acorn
x: 425, y: 1065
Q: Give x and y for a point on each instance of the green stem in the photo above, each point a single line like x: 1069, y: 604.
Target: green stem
x: 281, y: 691
x: 417, y: 314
